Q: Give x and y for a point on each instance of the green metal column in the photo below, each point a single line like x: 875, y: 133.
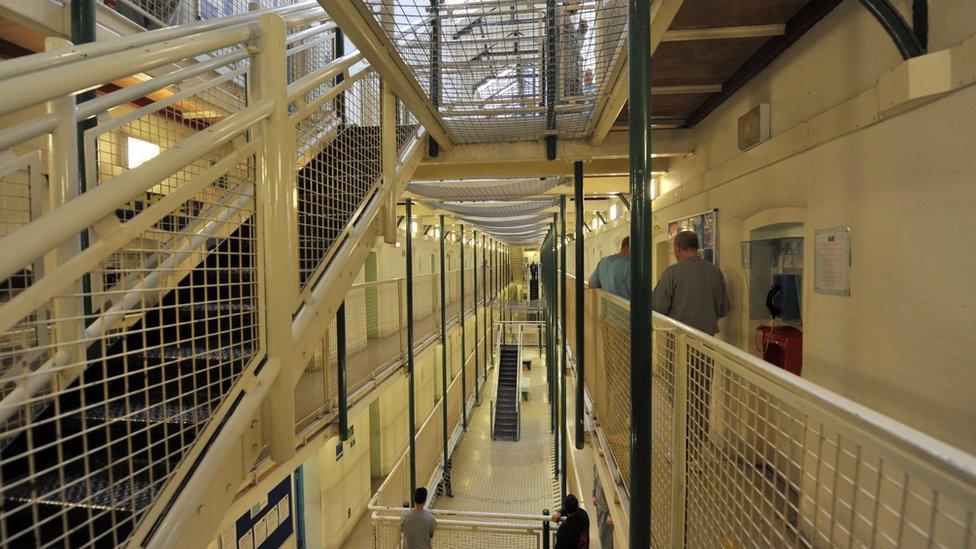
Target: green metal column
x: 444, y: 370
x: 580, y: 302
x: 464, y: 386
x: 341, y: 372
x: 485, y: 273
x: 474, y: 297
x: 411, y: 417
x: 563, y: 428
x: 340, y: 100
x: 83, y: 29
x: 433, y: 148
x: 641, y: 246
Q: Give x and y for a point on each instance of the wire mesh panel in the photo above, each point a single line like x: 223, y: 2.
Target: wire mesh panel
x: 508, y: 71
x: 466, y: 533
x: 613, y: 409
x: 339, y: 163
x: 764, y: 459
x: 121, y: 363
x: 154, y: 14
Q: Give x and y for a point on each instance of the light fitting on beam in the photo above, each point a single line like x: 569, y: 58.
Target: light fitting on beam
x: 725, y: 33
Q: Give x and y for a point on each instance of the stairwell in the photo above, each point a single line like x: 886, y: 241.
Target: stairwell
x: 100, y: 452
x: 506, y: 398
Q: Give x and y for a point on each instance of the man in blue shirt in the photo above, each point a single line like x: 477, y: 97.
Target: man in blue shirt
x: 612, y: 273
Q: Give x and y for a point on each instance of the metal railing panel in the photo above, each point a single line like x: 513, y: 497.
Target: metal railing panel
x: 744, y: 453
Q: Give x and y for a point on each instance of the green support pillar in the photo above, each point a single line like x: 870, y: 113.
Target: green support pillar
x: 641, y: 259
x: 411, y: 412
x: 580, y: 303
x: 563, y: 429
x: 485, y: 273
x: 464, y: 386
x: 444, y: 369
x: 341, y: 372
x: 474, y: 297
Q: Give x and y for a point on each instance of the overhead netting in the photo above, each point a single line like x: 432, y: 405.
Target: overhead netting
x: 484, y: 189
x: 496, y: 208
x: 503, y: 70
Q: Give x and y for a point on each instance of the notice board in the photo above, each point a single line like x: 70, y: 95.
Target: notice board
x: 705, y: 225
x: 832, y: 261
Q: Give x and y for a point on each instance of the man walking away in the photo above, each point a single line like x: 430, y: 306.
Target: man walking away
x: 612, y: 273
x: 418, y: 524
x: 693, y: 292
x: 574, y: 532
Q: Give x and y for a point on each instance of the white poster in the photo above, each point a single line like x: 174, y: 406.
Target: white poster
x: 832, y: 261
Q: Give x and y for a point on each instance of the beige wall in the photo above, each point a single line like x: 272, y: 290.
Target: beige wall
x: 901, y: 343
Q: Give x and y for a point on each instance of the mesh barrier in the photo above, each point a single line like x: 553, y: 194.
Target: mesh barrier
x: 339, y: 163
x: 462, y: 534
x: 154, y: 14
x: 110, y: 372
x: 766, y: 459
x: 509, y: 72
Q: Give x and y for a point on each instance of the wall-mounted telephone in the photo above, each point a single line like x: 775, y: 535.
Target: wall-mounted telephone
x: 783, y: 298
x: 772, y: 298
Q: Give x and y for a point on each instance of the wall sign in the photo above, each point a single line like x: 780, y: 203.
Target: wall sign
x: 266, y: 525
x: 832, y: 261
x: 705, y: 225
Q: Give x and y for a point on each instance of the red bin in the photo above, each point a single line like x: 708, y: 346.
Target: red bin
x: 783, y: 346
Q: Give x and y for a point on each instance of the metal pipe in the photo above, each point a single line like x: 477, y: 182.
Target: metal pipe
x: 341, y: 372
x: 641, y: 259
x: 411, y: 411
x: 443, y: 237
x: 41, y: 61
x: 464, y: 386
x: 39, y: 86
x: 894, y: 24
x: 580, y: 302
x: 85, y: 210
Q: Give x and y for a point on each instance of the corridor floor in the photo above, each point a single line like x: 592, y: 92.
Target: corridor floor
x: 504, y: 476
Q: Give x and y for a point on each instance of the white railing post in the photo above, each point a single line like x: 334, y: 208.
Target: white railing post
x: 388, y: 134
x: 679, y: 462
x: 69, y: 329
x: 278, y: 229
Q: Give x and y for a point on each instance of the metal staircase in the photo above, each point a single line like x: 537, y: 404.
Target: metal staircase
x: 134, y: 361
x: 506, y: 425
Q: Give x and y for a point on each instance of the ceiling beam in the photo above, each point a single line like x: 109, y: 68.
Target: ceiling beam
x: 725, y: 33
x: 528, y: 158
x: 356, y: 20
x: 675, y: 90
x: 609, y: 103
x: 808, y: 16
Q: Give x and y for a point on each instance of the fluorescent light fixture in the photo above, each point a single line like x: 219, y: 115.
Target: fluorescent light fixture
x: 613, y: 212
x: 139, y: 151
x: 413, y: 227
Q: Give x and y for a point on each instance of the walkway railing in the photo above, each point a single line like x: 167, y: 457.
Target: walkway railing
x: 154, y: 292
x: 745, y: 453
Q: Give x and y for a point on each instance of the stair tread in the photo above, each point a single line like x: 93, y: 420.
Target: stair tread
x: 99, y: 489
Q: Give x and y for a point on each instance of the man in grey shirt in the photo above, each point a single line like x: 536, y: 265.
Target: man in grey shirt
x: 418, y: 524
x: 693, y: 290
x: 612, y: 273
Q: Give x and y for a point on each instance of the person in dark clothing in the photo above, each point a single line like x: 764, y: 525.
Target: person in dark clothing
x: 574, y: 530
x: 534, y: 270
